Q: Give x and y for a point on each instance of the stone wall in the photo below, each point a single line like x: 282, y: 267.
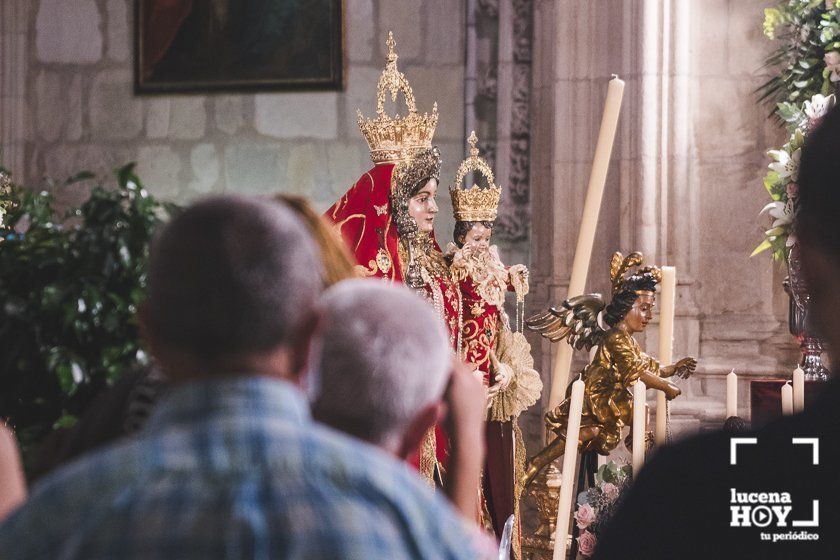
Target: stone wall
x: 740, y: 298
x: 82, y: 113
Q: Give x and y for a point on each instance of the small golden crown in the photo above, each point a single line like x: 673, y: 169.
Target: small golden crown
x: 392, y: 139
x: 475, y: 204
x: 621, y: 265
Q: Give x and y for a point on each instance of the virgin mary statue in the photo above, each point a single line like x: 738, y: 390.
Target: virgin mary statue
x: 387, y: 216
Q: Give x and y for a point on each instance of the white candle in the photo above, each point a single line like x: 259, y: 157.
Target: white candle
x: 731, y: 394
x: 564, y: 507
x: 638, y: 426
x: 787, y: 399
x: 661, y: 432
x: 798, y: 390
x: 589, y: 222
x: 667, y: 298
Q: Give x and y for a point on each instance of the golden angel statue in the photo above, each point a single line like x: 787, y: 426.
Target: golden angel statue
x: 588, y: 321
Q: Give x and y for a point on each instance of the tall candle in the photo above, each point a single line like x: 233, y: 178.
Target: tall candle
x: 731, y: 394
x: 667, y: 297
x: 564, y: 507
x: 787, y: 399
x: 589, y: 222
x: 638, y: 426
x: 798, y: 390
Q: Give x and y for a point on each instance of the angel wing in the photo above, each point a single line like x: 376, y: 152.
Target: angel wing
x: 579, y: 320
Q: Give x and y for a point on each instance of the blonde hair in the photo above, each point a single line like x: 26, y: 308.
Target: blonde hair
x: 337, y: 262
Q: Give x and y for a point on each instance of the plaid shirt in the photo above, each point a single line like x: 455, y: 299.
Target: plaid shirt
x: 237, y: 469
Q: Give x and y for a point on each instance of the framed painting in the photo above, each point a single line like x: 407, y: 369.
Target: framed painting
x: 238, y: 45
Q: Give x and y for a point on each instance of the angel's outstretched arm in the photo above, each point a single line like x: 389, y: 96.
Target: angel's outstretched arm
x: 655, y: 382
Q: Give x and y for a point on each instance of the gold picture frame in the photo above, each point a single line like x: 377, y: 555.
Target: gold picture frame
x: 205, y: 46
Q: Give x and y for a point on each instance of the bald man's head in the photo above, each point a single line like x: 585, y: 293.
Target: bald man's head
x: 231, y: 277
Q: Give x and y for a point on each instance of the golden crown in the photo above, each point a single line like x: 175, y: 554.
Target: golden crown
x: 392, y: 139
x: 475, y: 204
x: 621, y: 265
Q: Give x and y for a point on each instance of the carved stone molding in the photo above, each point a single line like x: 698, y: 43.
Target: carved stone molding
x: 488, y: 84
x: 502, y: 107
x: 489, y: 8
x: 488, y: 151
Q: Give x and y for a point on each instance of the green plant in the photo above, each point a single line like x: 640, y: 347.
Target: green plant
x: 69, y: 294
x: 808, y: 55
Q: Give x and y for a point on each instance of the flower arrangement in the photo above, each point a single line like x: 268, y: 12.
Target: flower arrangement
x: 782, y: 175
x: 597, y: 504
x: 809, y: 51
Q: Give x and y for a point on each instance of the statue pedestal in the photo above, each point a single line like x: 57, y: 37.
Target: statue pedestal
x: 545, y: 492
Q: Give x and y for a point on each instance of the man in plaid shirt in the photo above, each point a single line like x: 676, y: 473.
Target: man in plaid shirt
x: 230, y: 464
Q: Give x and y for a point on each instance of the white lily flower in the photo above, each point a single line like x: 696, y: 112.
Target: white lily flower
x: 786, y: 165
x: 781, y: 212
x: 771, y: 206
x: 818, y: 106
x: 784, y: 218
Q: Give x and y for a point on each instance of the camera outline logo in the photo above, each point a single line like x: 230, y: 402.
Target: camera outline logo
x: 771, y: 509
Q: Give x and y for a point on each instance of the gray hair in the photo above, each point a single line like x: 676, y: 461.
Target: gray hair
x: 384, y: 356
x: 232, y: 276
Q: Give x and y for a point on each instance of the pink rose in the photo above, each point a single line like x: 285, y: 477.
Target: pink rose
x: 610, y: 490
x: 585, y: 516
x: 792, y: 190
x: 832, y: 63
x: 586, y: 543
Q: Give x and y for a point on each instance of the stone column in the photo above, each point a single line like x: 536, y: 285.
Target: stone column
x: 573, y: 60
x: 728, y: 135
x: 497, y: 106
x: 14, y: 19
x: 659, y: 202
x: 659, y: 213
